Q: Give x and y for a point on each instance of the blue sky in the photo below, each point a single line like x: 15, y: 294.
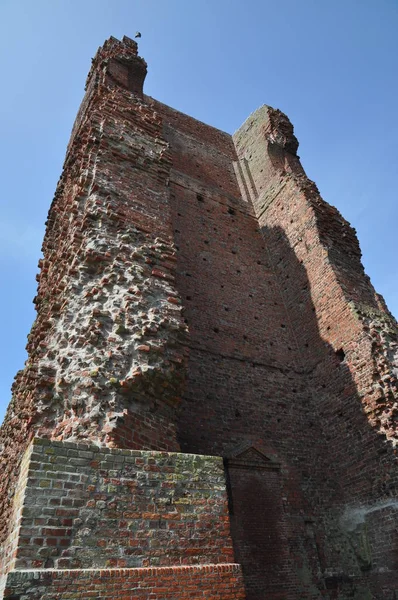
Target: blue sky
x: 331, y: 65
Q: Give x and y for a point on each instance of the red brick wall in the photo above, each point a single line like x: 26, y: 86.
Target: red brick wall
x: 269, y: 305
x: 345, y: 335
x: 106, y: 352
x: 89, y: 507
x: 246, y: 380
x: 107, y: 513
x: 253, y: 493
x: 213, y: 582
x: 162, y: 224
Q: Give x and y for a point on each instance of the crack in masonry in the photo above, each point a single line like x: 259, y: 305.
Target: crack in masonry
x: 251, y: 361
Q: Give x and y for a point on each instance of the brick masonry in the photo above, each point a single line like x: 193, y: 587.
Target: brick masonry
x: 197, y: 294
x: 213, y: 582
x: 82, y: 507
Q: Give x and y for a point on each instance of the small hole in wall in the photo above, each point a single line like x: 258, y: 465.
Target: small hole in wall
x: 179, y: 214
x: 206, y: 241
x: 306, y: 345
x: 328, y: 328
x: 205, y: 259
x: 222, y: 287
x: 177, y: 230
x: 256, y: 318
x: 189, y: 297
x: 226, y: 308
x: 188, y: 275
x: 283, y: 326
x: 250, y: 295
x: 214, y: 228
x: 216, y: 329
x: 245, y: 337
x: 199, y: 198
x: 271, y: 343
x: 259, y: 262
x: 186, y: 321
x: 237, y: 414
x: 237, y: 270
x: 323, y: 385
x: 231, y: 211
x: 340, y: 354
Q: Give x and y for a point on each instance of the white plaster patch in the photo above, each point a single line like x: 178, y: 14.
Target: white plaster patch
x: 354, y: 516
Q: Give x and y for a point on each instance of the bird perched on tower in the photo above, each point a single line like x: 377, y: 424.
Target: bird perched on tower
x: 137, y: 34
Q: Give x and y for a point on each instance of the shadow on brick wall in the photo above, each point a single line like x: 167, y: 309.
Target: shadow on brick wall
x: 325, y: 520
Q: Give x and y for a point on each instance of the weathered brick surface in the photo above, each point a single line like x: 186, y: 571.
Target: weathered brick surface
x: 102, y: 512
x: 197, y: 293
x: 90, y: 507
x: 10, y: 544
x: 347, y: 340
x: 246, y: 382
x: 106, y: 352
x: 213, y: 582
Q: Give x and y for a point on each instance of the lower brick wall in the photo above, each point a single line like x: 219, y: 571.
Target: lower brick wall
x: 8, y: 548
x: 105, y: 523
x: 213, y: 582
x: 86, y: 507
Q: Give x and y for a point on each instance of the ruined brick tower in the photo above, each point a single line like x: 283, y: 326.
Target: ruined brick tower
x: 210, y: 401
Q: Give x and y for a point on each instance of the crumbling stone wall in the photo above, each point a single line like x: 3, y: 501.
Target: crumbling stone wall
x: 106, y: 352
